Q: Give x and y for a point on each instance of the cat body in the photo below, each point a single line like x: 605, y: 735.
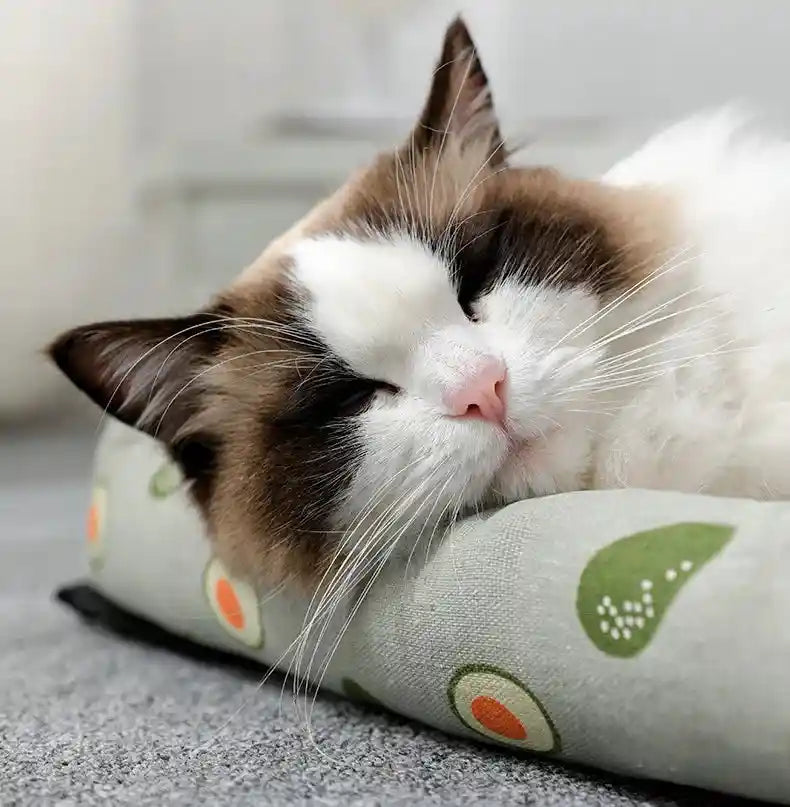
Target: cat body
x: 715, y: 415
x: 449, y: 331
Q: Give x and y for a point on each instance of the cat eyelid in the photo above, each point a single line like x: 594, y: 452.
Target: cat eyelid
x: 385, y: 386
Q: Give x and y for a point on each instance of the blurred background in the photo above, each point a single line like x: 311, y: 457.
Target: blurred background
x: 151, y: 148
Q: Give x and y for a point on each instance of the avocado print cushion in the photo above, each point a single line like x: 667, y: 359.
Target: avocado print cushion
x: 519, y: 629
x: 497, y: 705
x: 166, y: 480
x: 626, y: 588
x: 95, y: 526
x: 234, y: 603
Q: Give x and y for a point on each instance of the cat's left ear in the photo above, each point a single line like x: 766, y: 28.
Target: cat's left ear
x: 459, y: 103
x: 145, y: 373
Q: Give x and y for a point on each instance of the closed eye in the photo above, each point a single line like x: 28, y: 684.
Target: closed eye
x: 329, y: 396
x: 351, y: 402
x: 385, y: 386
x: 356, y: 399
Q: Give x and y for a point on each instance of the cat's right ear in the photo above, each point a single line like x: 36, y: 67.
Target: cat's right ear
x: 143, y: 372
x: 459, y: 103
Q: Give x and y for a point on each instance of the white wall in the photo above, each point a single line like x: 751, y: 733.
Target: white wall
x: 64, y: 176
x: 207, y: 70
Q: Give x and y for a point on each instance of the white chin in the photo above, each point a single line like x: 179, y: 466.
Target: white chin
x: 552, y: 464
x: 514, y: 480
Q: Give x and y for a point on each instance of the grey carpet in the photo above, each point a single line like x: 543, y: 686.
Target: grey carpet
x: 86, y: 718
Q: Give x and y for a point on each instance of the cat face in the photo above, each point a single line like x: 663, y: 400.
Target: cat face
x: 417, y: 346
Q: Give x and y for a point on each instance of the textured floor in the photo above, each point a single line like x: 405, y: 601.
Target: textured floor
x: 86, y: 718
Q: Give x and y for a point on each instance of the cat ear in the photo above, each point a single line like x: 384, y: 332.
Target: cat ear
x: 144, y: 372
x: 459, y: 102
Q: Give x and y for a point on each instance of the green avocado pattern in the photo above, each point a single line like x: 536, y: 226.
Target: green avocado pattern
x: 166, y: 480
x: 626, y: 588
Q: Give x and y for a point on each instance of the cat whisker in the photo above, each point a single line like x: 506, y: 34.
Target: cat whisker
x: 372, y: 571
x: 224, y: 327
x: 472, y: 185
x: 199, y: 375
x: 452, y: 228
x: 657, y: 273
x: 438, y: 496
x: 293, y: 647
x: 641, y: 324
x: 471, y: 241
x: 675, y: 364
x: 344, y: 549
x: 453, y: 108
x: 341, y: 587
x: 144, y: 356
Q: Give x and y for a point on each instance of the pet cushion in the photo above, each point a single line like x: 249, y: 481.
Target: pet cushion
x: 642, y: 632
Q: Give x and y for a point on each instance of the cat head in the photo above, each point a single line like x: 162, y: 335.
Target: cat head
x: 415, y: 347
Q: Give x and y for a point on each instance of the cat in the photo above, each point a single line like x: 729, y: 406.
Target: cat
x: 450, y: 331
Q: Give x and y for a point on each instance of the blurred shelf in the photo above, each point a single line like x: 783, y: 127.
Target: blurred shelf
x: 289, y: 165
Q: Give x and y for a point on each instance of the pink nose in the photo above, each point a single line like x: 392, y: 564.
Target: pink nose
x: 480, y: 393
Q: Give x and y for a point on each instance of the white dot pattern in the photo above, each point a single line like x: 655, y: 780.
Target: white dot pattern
x: 637, y: 613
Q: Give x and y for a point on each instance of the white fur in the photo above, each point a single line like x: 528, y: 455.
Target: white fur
x: 373, y: 303
x: 718, y: 418
x: 684, y: 384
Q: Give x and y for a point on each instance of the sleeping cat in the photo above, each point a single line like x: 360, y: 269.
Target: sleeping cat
x: 449, y: 331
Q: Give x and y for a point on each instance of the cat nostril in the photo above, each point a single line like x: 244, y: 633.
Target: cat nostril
x: 482, y: 395
x: 473, y: 410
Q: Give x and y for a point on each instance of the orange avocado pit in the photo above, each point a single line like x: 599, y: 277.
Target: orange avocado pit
x: 229, y: 603
x: 490, y: 713
x: 93, y: 524
x: 234, y: 603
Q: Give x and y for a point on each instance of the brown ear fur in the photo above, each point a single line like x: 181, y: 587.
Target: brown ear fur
x: 459, y: 102
x: 141, y: 371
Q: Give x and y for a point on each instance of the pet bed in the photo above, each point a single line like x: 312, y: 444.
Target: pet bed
x: 642, y: 632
